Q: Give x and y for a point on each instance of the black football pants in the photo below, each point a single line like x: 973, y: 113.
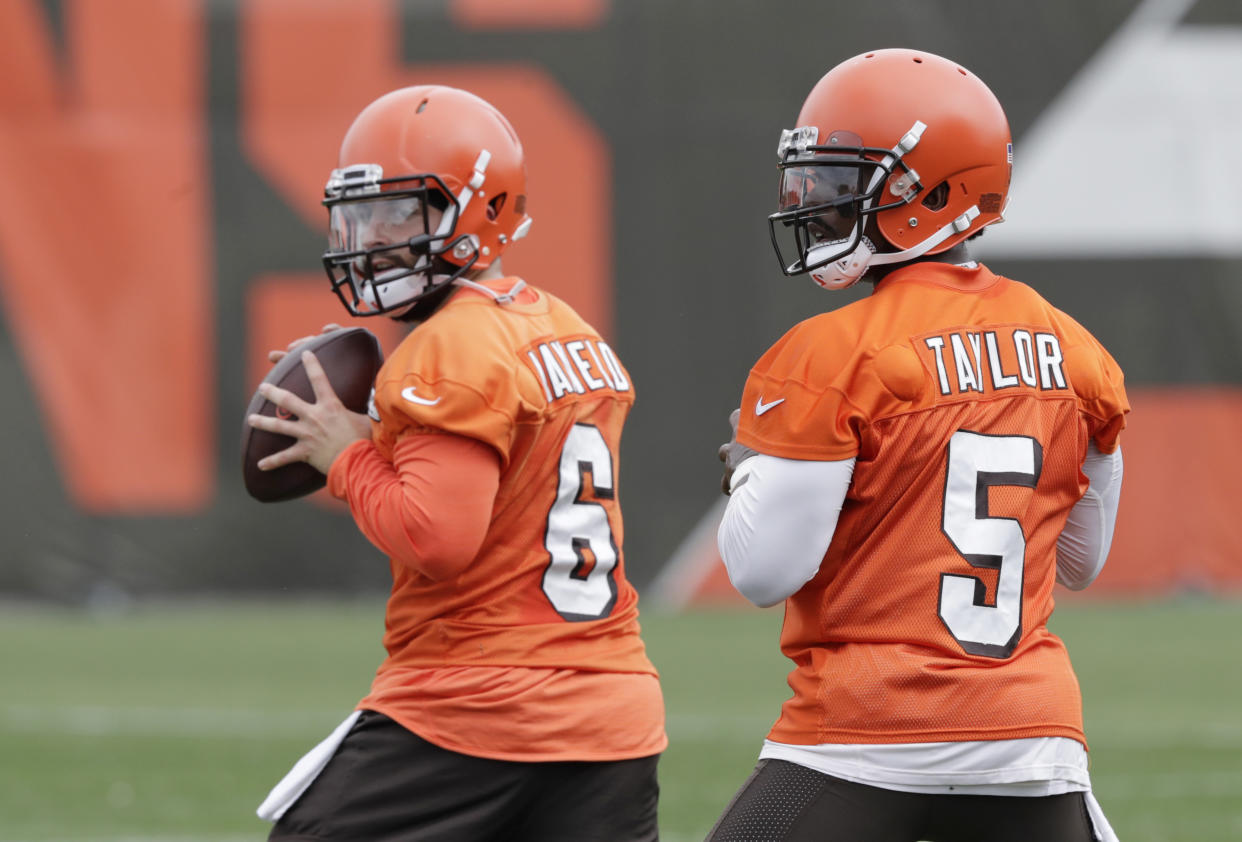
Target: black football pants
x: 385, y: 784
x: 785, y: 802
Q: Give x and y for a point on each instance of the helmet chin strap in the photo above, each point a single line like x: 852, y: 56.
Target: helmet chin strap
x: 848, y: 269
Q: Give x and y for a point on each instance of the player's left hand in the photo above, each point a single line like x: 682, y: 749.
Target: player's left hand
x: 732, y: 453
x: 322, y: 429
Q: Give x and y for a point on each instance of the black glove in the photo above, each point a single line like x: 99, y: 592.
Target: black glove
x: 732, y: 453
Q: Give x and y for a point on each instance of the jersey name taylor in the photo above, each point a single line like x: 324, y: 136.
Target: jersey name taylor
x: 995, y: 360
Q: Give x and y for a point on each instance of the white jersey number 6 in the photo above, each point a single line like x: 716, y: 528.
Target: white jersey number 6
x: 578, y: 580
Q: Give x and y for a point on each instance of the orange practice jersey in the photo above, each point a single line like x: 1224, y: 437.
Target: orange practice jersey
x: 524, y: 653
x: 968, y: 402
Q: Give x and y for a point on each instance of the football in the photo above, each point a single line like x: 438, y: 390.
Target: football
x: 351, y: 357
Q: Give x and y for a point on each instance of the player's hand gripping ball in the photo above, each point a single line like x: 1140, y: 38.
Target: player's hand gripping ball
x: 350, y: 357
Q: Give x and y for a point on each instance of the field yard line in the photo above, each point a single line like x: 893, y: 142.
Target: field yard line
x: 150, y: 721
x: 101, y: 721
x: 1138, y: 785
x: 154, y: 721
x: 1171, y: 735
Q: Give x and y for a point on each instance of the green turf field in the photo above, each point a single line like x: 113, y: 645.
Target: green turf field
x: 171, y: 722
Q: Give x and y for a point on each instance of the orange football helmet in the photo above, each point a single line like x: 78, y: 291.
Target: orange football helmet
x: 431, y: 188
x: 908, y: 140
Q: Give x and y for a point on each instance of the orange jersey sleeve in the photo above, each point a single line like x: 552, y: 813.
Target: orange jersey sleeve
x: 797, y: 402
x: 967, y: 401
x: 1099, y: 385
x: 452, y: 376
x: 429, y: 507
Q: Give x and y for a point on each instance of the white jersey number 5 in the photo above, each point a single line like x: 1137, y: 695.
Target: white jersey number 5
x: 578, y: 580
x: 976, y: 463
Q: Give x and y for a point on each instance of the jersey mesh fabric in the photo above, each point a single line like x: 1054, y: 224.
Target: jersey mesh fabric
x: 488, y: 650
x: 876, y: 657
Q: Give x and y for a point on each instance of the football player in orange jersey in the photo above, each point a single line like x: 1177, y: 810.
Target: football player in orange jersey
x: 517, y: 701
x: 911, y: 474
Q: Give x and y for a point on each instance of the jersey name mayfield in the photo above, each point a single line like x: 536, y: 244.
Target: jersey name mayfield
x: 577, y: 367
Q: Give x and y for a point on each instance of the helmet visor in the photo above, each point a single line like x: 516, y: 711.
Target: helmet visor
x: 383, y: 247
x: 384, y: 221
x: 821, y: 206
x: 827, y: 197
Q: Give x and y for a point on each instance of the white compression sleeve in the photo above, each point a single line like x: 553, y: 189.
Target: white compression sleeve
x: 779, y: 522
x: 1083, y: 544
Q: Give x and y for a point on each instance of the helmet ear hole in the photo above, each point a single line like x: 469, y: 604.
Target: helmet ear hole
x: 495, y: 206
x: 937, y: 197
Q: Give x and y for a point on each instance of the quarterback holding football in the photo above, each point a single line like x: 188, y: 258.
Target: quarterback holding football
x: 516, y: 701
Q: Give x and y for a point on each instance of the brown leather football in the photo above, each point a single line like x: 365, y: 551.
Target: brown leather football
x: 351, y: 357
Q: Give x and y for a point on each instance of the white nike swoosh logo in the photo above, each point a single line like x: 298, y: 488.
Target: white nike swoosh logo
x: 761, y: 407
x: 408, y: 394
